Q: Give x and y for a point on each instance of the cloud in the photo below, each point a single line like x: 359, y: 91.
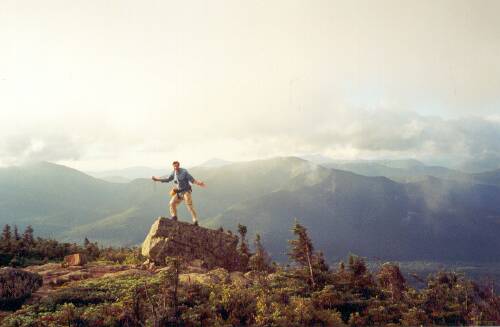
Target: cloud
x: 401, y: 133
x: 345, y: 133
x: 24, y: 148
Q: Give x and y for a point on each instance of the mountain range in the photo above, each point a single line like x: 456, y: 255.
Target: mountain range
x: 414, y: 212
x: 412, y: 171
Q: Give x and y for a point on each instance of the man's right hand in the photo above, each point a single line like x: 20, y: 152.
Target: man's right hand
x: 154, y: 178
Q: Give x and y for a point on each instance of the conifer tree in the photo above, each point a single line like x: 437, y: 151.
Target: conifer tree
x: 244, y: 249
x: 6, y: 234
x: 28, y: 238
x: 6, y: 241
x: 390, y: 278
x: 357, y: 265
x: 91, y: 249
x: 320, y: 262
x: 17, y: 237
x: 260, y: 261
x: 17, y: 246
x: 302, y: 250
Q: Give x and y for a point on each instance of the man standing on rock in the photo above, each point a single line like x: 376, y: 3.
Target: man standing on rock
x: 182, y: 191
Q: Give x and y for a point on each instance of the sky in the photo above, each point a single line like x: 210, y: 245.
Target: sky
x: 108, y: 84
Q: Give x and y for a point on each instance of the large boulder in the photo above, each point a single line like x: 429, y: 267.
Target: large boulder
x: 76, y: 259
x: 169, y: 238
x: 16, y: 285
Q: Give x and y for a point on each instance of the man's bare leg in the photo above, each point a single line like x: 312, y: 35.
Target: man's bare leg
x: 189, y: 205
x: 174, y: 201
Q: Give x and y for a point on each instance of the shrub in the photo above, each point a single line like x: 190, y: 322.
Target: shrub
x: 16, y: 285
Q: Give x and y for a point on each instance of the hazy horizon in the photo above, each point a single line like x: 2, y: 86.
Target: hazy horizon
x: 107, y: 85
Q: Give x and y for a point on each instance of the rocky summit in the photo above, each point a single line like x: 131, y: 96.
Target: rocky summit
x: 168, y: 238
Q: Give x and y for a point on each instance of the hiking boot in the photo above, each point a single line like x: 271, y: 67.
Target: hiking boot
x: 195, y: 223
x: 174, y: 218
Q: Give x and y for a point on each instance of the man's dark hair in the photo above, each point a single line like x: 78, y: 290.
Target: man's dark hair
x: 175, y: 163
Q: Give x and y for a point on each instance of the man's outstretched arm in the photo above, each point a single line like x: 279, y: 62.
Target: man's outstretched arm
x: 199, y: 183
x: 163, y: 179
x: 194, y: 181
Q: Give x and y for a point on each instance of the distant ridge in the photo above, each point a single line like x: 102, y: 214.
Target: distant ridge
x: 214, y: 162
x: 131, y: 173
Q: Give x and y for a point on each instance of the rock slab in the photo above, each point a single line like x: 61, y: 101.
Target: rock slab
x: 76, y: 259
x: 168, y: 238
